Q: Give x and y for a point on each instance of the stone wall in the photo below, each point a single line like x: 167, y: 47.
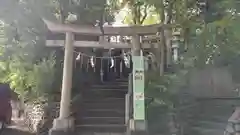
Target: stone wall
x: 211, y: 82
x: 39, y: 117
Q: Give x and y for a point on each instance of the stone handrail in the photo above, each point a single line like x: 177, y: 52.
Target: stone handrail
x: 128, y: 101
x: 233, y: 126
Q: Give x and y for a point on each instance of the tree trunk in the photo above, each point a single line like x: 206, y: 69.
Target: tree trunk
x: 168, y: 33
x: 136, y: 13
x: 162, y: 52
x: 161, y: 46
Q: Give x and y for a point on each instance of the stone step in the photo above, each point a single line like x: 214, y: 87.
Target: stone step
x: 102, y: 108
x: 122, y: 79
x: 108, y: 89
x: 217, y: 107
x: 102, y: 113
x: 190, y: 131
x: 102, y: 105
x: 114, y: 86
x: 103, y: 100
x: 100, y: 120
x: 210, y: 118
x: 221, y: 100
x: 203, y: 131
x: 111, y: 86
x: 108, y: 128
x: 218, y: 119
x: 209, y: 115
x: 208, y: 124
x: 212, y: 110
x: 104, y: 90
x: 99, y: 133
x: 104, y: 93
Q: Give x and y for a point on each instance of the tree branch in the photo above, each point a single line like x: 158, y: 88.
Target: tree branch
x: 169, y: 16
x: 145, y: 14
x: 134, y: 15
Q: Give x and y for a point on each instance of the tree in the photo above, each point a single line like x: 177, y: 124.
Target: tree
x: 136, y: 11
x: 206, y: 42
x: 24, y: 52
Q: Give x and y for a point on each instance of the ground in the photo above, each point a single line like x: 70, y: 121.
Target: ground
x: 13, y: 131
x: 17, y: 128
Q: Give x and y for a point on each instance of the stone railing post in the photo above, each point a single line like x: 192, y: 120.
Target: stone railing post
x: 233, y: 126
x: 128, y: 101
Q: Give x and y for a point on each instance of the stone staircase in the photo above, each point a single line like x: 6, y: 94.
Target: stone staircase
x: 102, y: 109
x: 209, y: 118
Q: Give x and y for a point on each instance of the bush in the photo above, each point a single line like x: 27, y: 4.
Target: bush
x: 164, y: 93
x: 33, y: 82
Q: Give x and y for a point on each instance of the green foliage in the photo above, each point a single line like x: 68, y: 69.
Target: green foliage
x: 32, y: 69
x: 31, y: 81
x: 41, y: 79
x: 165, y: 89
x: 211, y: 10
x: 136, y: 12
x: 25, y: 59
x: 163, y: 98
x: 215, y: 43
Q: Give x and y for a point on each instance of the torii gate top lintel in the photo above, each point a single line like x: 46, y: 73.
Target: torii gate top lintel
x: 108, y: 30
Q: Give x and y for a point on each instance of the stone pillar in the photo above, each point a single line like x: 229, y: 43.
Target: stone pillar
x: 175, y: 48
x: 136, y: 126
x: 175, y: 53
x: 64, y: 124
x: 168, y: 35
x: 233, y: 126
x: 67, y: 77
x: 136, y: 45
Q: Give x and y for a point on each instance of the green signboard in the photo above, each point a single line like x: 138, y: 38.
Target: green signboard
x: 138, y: 88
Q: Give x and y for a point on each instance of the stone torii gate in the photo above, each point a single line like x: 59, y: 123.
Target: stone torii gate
x: 64, y: 123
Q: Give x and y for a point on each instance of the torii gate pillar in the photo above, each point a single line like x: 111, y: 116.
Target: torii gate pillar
x: 65, y: 123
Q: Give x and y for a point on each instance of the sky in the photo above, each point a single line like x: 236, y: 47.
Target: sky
x: 119, y: 17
